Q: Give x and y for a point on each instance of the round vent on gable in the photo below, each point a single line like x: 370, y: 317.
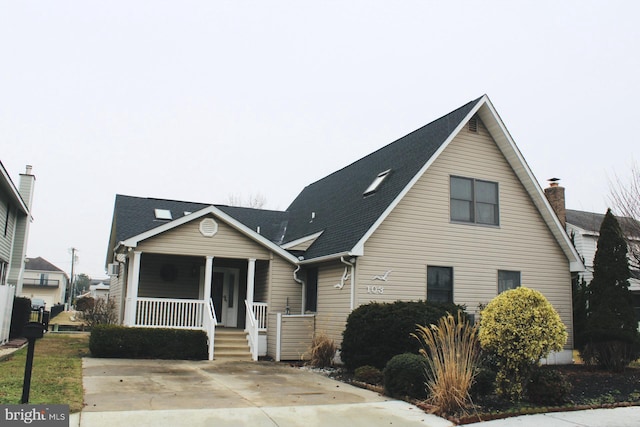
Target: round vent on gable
x: 208, y: 227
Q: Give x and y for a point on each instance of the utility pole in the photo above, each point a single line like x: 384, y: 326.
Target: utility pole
x: 73, y: 261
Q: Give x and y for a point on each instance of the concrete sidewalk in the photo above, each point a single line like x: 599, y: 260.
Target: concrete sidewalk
x: 615, y: 417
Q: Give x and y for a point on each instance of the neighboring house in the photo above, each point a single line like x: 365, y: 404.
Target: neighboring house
x: 15, y: 220
x: 584, y: 228
x: 99, y: 288
x: 449, y: 212
x: 44, y: 280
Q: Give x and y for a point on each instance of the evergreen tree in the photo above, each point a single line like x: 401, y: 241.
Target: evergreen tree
x: 611, y: 334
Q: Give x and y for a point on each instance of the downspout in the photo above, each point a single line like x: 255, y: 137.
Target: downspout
x: 304, y: 288
x: 351, y: 266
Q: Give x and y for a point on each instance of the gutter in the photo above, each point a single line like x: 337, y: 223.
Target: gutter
x: 304, y: 288
x: 351, y: 266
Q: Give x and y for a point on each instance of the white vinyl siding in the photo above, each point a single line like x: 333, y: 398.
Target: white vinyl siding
x: 333, y: 303
x: 187, y: 240
x: 418, y: 233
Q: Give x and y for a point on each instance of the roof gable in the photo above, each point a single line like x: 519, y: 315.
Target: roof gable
x: 40, y: 264
x: 134, y: 221
x: 337, y: 204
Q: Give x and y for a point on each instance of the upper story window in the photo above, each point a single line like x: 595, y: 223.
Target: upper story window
x: 474, y: 200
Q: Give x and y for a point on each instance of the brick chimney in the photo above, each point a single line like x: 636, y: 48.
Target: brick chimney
x: 555, y: 196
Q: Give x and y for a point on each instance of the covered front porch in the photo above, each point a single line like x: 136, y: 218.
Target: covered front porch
x: 191, y: 292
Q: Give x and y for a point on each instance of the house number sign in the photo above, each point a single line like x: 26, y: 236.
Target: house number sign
x: 372, y: 289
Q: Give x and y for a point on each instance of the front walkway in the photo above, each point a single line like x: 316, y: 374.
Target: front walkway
x: 203, y: 393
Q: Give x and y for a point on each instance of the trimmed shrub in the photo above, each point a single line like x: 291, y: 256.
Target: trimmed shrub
x: 404, y: 376
x: 376, y: 332
x: 19, y: 316
x: 147, y: 343
x: 368, y: 374
x: 484, y: 383
x: 85, y: 303
x: 323, y: 350
x: 451, y: 352
x: 518, y: 328
x: 548, y: 387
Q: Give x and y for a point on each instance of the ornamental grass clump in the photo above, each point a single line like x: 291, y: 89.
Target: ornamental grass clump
x: 519, y: 327
x: 451, y: 352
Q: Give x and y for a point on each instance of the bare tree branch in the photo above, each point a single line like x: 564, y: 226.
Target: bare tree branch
x: 625, y: 201
x: 255, y: 200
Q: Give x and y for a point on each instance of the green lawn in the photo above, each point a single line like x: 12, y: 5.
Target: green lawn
x: 56, y: 377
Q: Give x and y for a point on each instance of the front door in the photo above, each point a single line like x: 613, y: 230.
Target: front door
x: 224, y: 293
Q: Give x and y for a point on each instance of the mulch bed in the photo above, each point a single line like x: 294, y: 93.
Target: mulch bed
x: 592, y: 388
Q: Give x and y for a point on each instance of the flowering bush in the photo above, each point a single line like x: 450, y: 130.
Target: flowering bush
x: 519, y: 327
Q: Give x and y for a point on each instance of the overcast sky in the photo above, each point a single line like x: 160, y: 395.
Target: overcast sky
x: 199, y: 100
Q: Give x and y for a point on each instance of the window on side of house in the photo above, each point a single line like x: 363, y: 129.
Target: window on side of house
x: 439, y: 284
x: 508, y: 280
x: 474, y: 201
x: 311, y: 297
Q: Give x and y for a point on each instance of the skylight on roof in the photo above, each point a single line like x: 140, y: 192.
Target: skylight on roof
x: 163, y: 214
x: 376, y: 182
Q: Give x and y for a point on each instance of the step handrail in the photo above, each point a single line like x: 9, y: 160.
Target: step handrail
x: 252, y: 328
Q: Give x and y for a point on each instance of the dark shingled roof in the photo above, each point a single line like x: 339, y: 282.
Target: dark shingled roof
x: 135, y: 215
x: 40, y: 264
x: 341, y: 210
x: 337, y: 200
x: 591, y: 221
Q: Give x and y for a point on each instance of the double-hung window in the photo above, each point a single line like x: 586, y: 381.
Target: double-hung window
x: 439, y: 284
x: 474, y: 201
x: 508, y: 280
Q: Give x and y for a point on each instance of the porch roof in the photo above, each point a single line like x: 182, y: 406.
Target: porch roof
x: 134, y: 220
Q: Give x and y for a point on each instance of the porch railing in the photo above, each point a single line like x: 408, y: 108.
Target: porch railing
x: 260, y: 314
x: 170, y: 313
x: 252, y: 328
x: 177, y: 314
x: 209, y: 323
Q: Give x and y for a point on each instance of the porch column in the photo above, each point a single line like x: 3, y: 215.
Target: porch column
x: 208, y: 274
x: 251, y: 274
x: 133, y: 280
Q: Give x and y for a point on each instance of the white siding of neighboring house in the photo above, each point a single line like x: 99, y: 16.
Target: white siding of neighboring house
x: 585, y: 243
x: 418, y: 233
x: 51, y: 295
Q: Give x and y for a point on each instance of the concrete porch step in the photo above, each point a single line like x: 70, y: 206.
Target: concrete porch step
x: 231, y: 344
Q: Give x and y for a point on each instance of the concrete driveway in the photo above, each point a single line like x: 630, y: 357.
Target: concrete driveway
x: 202, y: 393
